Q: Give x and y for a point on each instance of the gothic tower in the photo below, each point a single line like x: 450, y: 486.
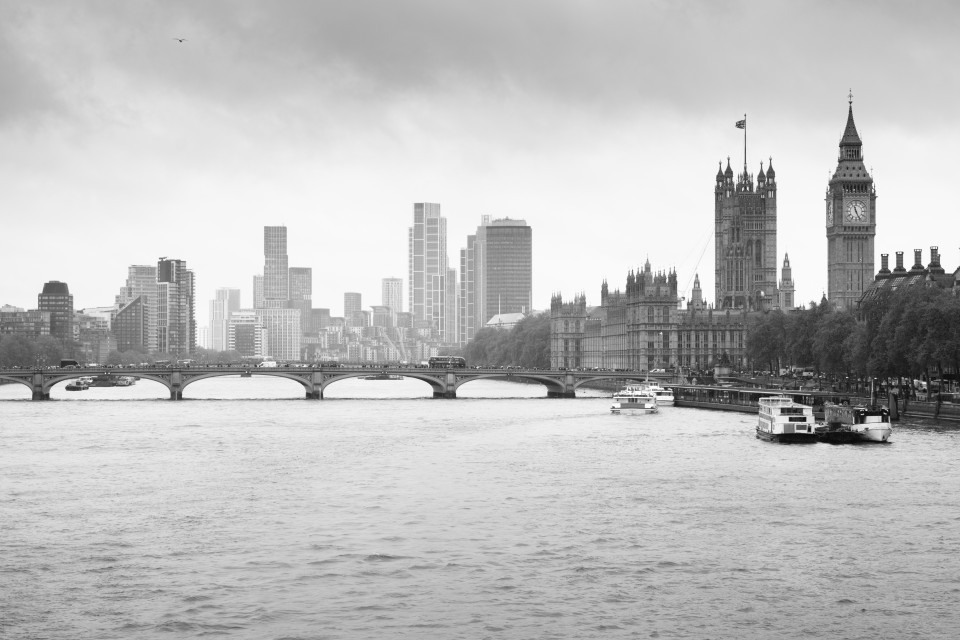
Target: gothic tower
x: 786, y: 285
x: 851, y: 222
x: 745, y: 239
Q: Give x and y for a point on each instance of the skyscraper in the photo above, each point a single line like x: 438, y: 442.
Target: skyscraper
x: 851, y: 202
x: 745, y: 237
x: 55, y: 299
x: 496, y: 273
x: 176, y: 318
x: 141, y: 283
x: 428, y: 268
x: 226, y: 302
x: 276, y: 275
x: 392, y: 294
x: 352, y: 309
x: 258, y: 292
x: 301, y: 296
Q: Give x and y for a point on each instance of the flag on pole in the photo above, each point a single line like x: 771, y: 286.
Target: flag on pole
x: 741, y: 124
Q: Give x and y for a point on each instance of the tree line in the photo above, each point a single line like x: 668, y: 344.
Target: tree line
x: 910, y: 332
x: 22, y: 351
x: 526, y: 345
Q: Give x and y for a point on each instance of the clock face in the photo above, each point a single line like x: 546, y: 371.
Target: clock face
x: 856, y: 211
x: 830, y: 213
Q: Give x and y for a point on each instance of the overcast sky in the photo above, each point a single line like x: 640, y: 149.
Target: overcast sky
x: 599, y: 122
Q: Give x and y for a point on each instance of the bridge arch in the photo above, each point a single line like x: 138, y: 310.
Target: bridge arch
x: 23, y: 380
x: 554, y: 385
x: 437, y: 382
x: 187, y: 378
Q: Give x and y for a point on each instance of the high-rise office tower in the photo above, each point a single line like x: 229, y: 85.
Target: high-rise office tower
x: 392, y: 294
x: 176, y: 318
x: 352, y: 309
x: 276, y: 274
x: 284, y: 335
x: 258, y: 292
x: 246, y: 334
x: 141, y: 283
x: 745, y: 237
x: 226, y: 302
x: 496, y: 273
x: 428, y: 268
x: 301, y: 296
x: 55, y: 299
x: 851, y: 202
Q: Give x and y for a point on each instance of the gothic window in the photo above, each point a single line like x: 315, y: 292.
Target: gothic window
x: 759, y: 254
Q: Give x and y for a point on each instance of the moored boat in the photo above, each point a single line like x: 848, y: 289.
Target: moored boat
x: 780, y: 419
x: 77, y: 385
x: 663, y: 395
x: 634, y: 399
x: 859, y: 423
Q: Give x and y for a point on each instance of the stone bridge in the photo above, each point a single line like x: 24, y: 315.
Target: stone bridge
x: 444, y: 382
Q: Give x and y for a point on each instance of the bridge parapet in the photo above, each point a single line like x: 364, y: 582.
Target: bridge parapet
x: 444, y: 382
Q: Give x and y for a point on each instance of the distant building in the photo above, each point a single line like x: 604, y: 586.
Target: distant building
x: 95, y: 341
x: 392, y: 294
x: 141, y: 283
x: 496, y: 273
x: 276, y: 274
x: 429, y: 270
x: 644, y: 328
x: 851, y: 203
x: 258, y: 299
x: 56, y: 300
x: 246, y: 334
x: 176, y: 316
x: 130, y: 326
x: 301, y: 297
x: 353, y: 309
x: 31, y: 324
x: 786, y: 288
x: 225, y: 302
x: 284, y: 334
x: 320, y: 318
x: 504, y: 321
x: 382, y: 316
x: 745, y: 238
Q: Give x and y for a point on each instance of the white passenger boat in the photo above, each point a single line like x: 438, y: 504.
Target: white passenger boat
x: 780, y: 419
x: 634, y: 398
x: 663, y: 395
x: 863, y: 423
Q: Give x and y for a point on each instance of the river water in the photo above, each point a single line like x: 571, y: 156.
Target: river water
x: 246, y: 512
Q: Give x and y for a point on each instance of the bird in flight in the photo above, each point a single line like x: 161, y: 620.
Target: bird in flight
x: 180, y: 39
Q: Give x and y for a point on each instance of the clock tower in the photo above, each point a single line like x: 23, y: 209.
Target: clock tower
x: 851, y: 221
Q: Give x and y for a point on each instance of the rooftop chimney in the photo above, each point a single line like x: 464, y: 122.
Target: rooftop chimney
x: 899, y: 268
x: 917, y: 260
x: 935, y: 267
x: 884, y: 266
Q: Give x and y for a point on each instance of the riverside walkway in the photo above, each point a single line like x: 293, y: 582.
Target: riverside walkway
x: 315, y: 379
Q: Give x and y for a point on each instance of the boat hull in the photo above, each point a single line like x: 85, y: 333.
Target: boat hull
x: 876, y: 434
x: 838, y: 436
x: 626, y: 407
x: 786, y: 438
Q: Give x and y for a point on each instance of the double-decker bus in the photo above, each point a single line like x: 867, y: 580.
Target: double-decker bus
x: 447, y: 362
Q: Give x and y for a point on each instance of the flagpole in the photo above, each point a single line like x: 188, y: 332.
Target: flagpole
x: 744, y: 145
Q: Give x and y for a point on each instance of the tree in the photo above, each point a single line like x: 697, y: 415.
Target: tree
x: 526, y: 345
